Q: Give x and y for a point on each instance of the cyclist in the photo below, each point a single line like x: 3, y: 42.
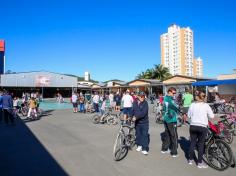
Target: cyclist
x: 32, y: 107
x: 199, y: 112
x: 105, y: 105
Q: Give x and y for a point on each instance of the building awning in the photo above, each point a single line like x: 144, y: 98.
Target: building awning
x: 214, y: 82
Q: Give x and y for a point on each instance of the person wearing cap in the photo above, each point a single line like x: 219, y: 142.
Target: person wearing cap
x: 140, y: 116
x: 127, y: 104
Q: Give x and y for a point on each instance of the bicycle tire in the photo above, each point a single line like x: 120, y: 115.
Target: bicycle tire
x: 179, y: 121
x: 228, y: 109
x: 111, y: 120
x: 96, y: 118
x: 120, y: 149
x: 212, y: 152
x: 233, y: 127
x: 24, y: 111
x: 158, y: 119
x: 228, y: 136
x: 132, y: 138
x: 154, y: 108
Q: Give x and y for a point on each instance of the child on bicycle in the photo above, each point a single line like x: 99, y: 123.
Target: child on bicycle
x: 105, y: 105
x: 32, y: 107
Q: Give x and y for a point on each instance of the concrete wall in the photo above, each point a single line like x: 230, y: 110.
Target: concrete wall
x: 37, y: 79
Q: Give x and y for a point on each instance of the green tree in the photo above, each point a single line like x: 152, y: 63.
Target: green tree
x: 158, y: 72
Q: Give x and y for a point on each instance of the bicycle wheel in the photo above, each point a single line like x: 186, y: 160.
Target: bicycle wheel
x: 218, y: 154
x: 120, y: 149
x: 112, y: 120
x: 228, y: 136
x: 24, y: 111
x: 96, y: 118
x: 179, y: 121
x: 131, y: 138
x: 154, y: 108
x: 229, y: 109
x: 158, y: 118
x: 233, y: 128
x: 40, y: 112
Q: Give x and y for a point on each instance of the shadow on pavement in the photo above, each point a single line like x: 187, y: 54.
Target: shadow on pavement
x: 22, y: 154
x: 44, y: 114
x: 184, y: 145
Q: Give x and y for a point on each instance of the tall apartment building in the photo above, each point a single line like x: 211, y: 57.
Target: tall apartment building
x: 2, y: 56
x: 198, y: 67
x: 177, y: 52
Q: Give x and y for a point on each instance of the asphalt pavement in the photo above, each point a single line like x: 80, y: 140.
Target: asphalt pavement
x: 66, y: 143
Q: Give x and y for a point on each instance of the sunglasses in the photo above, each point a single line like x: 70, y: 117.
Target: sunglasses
x: 174, y: 93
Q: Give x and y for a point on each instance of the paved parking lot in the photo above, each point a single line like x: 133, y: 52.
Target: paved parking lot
x: 65, y: 143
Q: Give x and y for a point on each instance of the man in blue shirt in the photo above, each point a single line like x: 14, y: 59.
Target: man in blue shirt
x: 7, y: 105
x: 1, y: 113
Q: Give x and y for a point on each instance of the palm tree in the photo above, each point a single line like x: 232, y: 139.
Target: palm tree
x: 160, y: 72
x: 141, y: 75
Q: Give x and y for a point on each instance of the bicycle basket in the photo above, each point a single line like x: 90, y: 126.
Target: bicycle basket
x: 213, y: 128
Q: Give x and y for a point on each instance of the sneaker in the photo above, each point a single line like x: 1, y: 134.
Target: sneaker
x: 202, y: 165
x: 145, y: 152
x: 163, y: 152
x: 139, y: 149
x: 174, y: 156
x: 190, y: 162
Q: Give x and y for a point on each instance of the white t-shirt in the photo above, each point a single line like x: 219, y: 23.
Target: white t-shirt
x: 128, y: 101
x: 111, y: 97
x: 199, y: 113
x: 96, y: 99
x: 74, y: 98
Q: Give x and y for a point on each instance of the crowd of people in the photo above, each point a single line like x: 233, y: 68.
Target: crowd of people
x: 135, y: 106
x: 10, y: 105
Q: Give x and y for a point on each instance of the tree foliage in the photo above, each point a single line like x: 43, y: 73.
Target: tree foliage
x: 158, y: 72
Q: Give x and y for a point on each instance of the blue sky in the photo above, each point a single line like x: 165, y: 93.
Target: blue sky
x: 113, y: 38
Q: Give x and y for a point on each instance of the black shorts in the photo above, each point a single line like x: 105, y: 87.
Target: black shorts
x: 75, y: 105
x: 117, y: 103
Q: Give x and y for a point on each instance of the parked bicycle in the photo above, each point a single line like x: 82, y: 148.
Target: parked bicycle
x: 222, y: 108
x: 22, y: 110
x: 125, y: 140
x: 229, y: 122
x: 218, y: 153
x: 89, y: 108
x: 108, y: 117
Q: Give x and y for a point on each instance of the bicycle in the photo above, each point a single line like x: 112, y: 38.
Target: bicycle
x: 36, y: 115
x: 125, y: 141
x: 158, y: 114
x: 89, y: 108
x: 218, y: 153
x: 222, y: 108
x: 107, y: 117
x: 229, y: 121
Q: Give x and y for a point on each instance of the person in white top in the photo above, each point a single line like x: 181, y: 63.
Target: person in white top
x: 74, y: 101
x: 199, y: 112
x: 127, y: 104
x: 111, y: 98
x: 96, y: 102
